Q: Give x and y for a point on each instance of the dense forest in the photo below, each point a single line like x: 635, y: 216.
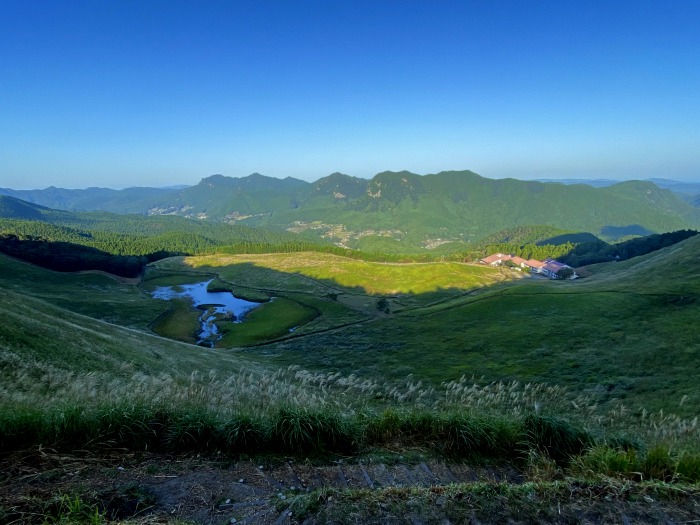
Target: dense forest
x: 599, y: 251
x: 124, y: 244
x: 69, y: 257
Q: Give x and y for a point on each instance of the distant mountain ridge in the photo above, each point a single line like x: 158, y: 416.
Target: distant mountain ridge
x: 395, y: 210
x: 129, y: 200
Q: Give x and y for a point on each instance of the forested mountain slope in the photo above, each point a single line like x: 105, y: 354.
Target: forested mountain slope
x: 403, y: 211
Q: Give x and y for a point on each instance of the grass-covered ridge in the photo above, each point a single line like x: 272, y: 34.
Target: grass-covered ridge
x: 595, y: 336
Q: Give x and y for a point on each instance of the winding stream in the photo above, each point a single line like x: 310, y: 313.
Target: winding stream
x: 216, y: 306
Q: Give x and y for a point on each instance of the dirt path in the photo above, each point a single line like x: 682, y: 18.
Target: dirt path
x: 209, y: 492
x: 147, y: 489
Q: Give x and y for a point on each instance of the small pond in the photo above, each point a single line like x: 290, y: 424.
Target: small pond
x: 216, y: 306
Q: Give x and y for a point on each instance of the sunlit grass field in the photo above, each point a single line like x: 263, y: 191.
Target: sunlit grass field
x: 314, y: 292
x: 371, y: 278
x: 625, y: 335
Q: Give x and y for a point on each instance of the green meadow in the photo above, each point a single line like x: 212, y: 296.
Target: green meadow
x: 334, y: 271
x: 313, y: 292
x: 97, y: 295
x: 621, y: 336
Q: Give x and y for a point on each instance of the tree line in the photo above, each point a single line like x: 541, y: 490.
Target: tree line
x: 124, y: 247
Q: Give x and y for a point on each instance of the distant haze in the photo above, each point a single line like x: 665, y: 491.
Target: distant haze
x: 119, y: 94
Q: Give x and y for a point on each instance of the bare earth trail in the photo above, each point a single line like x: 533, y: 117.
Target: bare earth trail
x: 209, y: 492
x: 148, y: 489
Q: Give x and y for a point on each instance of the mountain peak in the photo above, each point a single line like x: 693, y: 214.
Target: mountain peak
x: 215, y: 180
x: 341, y: 186
x: 254, y: 181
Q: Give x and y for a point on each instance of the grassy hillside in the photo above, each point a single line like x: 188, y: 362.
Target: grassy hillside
x: 623, y: 334
x: 572, y: 400
x: 51, y: 357
x: 100, y: 296
x: 619, y: 336
x: 609, y: 342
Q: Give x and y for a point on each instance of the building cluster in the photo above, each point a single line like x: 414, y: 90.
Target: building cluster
x: 548, y: 267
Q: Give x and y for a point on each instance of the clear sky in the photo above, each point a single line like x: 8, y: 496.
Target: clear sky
x: 120, y: 93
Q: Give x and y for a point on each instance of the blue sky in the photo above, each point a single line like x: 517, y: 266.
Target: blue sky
x: 123, y: 93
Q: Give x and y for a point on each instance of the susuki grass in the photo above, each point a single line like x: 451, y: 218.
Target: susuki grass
x: 295, y: 411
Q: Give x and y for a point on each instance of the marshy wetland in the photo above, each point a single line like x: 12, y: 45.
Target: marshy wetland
x: 216, y: 307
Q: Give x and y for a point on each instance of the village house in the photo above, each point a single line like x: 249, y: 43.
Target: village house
x: 548, y: 267
x: 499, y: 258
x: 551, y: 268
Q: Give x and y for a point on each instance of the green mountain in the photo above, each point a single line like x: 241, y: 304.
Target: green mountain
x: 129, y: 200
x: 227, y: 198
x: 404, y: 212
x: 12, y: 208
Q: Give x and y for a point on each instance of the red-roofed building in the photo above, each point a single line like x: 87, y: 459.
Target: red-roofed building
x: 496, y: 259
x: 548, y: 267
x: 551, y: 268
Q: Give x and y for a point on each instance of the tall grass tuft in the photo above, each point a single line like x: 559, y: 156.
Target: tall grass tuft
x: 608, y: 461
x: 301, y: 430
x: 298, y: 411
x: 558, y: 438
x: 243, y: 434
x: 688, y: 467
x: 482, y: 436
x: 658, y: 463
